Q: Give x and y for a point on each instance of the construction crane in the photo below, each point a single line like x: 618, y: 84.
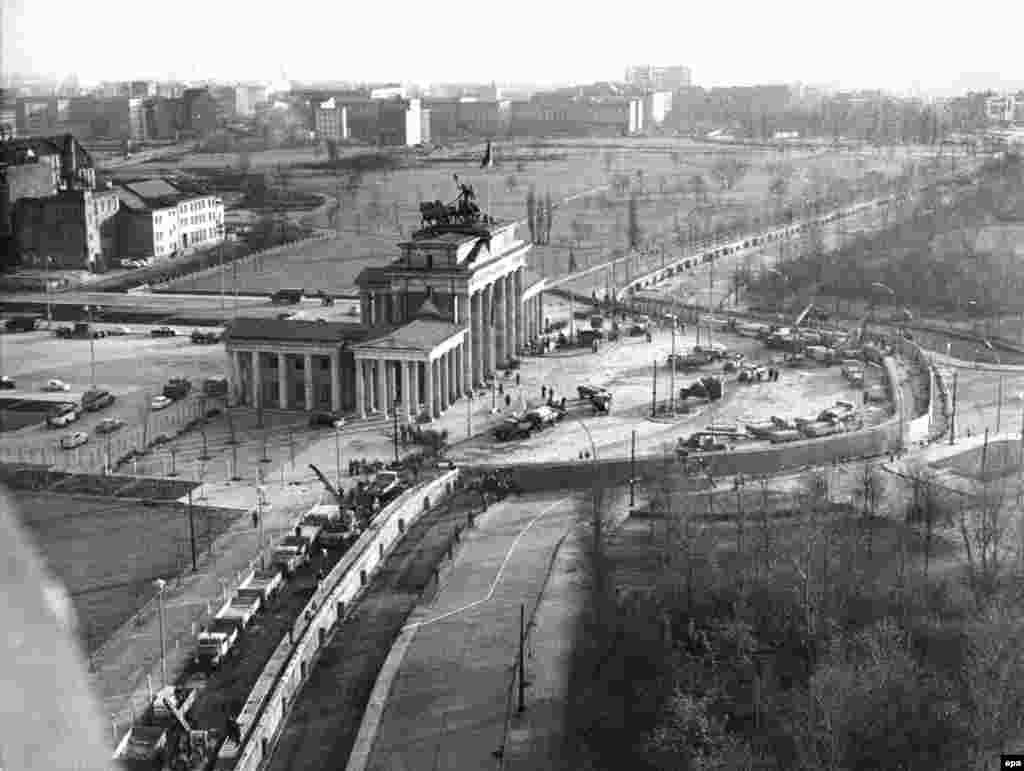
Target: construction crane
x: 330, y: 488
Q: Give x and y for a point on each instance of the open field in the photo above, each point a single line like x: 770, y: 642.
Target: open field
x: 382, y: 209
x: 108, y: 551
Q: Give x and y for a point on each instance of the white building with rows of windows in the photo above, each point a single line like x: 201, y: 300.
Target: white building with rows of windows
x: 160, y: 220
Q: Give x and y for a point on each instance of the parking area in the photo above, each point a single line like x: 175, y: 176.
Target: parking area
x: 133, y: 367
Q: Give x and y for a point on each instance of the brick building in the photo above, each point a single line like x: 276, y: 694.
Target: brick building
x: 74, y: 229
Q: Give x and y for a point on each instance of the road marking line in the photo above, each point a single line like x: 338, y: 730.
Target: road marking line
x: 497, y: 578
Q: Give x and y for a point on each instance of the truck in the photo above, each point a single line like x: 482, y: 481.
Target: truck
x: 542, y: 416
x: 215, y: 642
x: 513, y: 428
x: 239, y: 609
x: 21, y: 323
x: 267, y: 582
x: 288, y: 558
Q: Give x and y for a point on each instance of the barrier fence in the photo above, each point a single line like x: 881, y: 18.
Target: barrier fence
x: 284, y: 675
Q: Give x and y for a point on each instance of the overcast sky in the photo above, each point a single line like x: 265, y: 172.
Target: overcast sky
x: 891, y: 44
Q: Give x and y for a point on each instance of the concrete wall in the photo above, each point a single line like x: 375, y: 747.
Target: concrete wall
x: 286, y: 672
x: 653, y: 276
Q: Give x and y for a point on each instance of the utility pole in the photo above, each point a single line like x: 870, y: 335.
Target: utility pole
x: 654, y: 388
x: 952, y: 415
x: 192, y: 531
x: 999, y: 403
x: 672, y: 371
x: 92, y: 349
x: 632, y: 465
x: 469, y: 414
x: 337, y: 456
x: 522, y: 658
x: 395, y: 411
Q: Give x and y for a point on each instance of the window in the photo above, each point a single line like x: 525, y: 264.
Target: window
x: 300, y: 363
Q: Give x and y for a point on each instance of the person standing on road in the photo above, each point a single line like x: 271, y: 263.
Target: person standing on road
x: 543, y: 392
x: 517, y: 380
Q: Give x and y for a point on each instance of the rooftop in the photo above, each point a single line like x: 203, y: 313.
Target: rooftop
x: 420, y: 335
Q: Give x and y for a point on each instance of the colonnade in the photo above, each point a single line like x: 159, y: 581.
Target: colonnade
x: 410, y: 386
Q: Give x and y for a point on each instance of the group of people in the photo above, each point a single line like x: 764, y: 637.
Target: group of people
x: 773, y: 375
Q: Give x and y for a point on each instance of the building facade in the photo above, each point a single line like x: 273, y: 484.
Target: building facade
x: 158, y: 220
x: 199, y: 111
x: 451, y: 311
x: 670, y: 78
x: 74, y: 230
x: 331, y: 120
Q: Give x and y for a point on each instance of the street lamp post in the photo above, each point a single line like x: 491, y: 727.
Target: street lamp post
x: 220, y: 255
x: 161, y: 585
x: 337, y: 453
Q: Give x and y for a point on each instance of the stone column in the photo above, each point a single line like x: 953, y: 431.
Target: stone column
x: 458, y: 371
x: 428, y: 376
x: 382, y: 387
x: 490, y: 316
x: 446, y: 380
x: 500, y: 325
x: 540, y: 312
x: 449, y: 359
x: 237, y: 389
x: 335, y: 382
x: 392, y: 383
x: 361, y: 388
x: 308, y: 367
x: 435, y: 372
x: 257, y: 380
x: 474, y: 352
x: 407, y: 390
x: 510, y: 317
x: 364, y: 307
x: 282, y: 381
x: 456, y: 315
x: 519, y: 326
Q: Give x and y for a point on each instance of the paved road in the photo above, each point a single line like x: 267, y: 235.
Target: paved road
x: 449, y: 699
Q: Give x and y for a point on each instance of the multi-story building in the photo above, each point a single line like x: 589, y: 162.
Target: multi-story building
x: 39, y: 115
x: 669, y: 78
x: 141, y: 89
x: 444, y: 118
x: 199, y: 111
x: 331, y: 120
x: 163, y: 118
x: 657, y: 106
x: 8, y: 114
x: 160, y: 220
x: 38, y: 167
x: 225, y: 99
x: 247, y: 97
x: 399, y: 123
x: 1000, y: 108
x: 72, y: 230
x: 119, y: 117
x: 483, y: 118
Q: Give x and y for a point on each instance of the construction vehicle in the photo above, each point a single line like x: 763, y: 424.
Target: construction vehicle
x: 238, y: 610
x: 513, y: 428
x: 215, y: 642
x: 288, y: 558
x: 386, y: 485
x: 709, y: 388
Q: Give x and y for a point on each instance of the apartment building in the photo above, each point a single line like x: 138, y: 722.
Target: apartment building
x: 331, y: 120
x: 73, y: 230
x: 159, y: 220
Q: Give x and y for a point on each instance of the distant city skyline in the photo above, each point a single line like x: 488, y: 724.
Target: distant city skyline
x: 900, y: 47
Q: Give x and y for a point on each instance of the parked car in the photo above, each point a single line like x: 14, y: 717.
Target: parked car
x: 160, y: 403
x: 177, y: 388
x: 63, y: 331
x: 386, y: 485
x: 6, y: 382
x: 109, y: 425
x: 96, y: 400
x: 200, y: 337
x: 118, y: 331
x: 163, y: 332
x: 127, y: 263
x: 56, y: 385
x: 215, y: 386
x: 513, y: 428
x: 63, y: 415
x: 331, y: 419
x: 71, y: 441
x: 590, y: 391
